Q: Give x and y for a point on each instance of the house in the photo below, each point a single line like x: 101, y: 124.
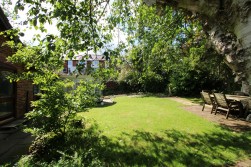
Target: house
x: 14, y: 97
x: 92, y: 62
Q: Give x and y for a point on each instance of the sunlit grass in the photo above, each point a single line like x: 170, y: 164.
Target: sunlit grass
x: 152, y: 131
x: 149, y: 114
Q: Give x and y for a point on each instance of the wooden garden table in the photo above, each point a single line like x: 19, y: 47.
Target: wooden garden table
x: 244, y: 101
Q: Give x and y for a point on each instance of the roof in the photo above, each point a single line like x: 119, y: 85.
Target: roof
x: 96, y: 57
x: 90, y: 58
x: 4, y: 22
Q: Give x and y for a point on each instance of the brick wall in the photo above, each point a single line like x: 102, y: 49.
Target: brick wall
x: 24, y: 89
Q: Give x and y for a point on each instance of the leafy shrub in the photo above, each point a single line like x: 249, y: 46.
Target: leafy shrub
x: 190, y: 83
x: 79, y: 146
x: 58, y: 105
x: 53, y: 120
x: 153, y: 82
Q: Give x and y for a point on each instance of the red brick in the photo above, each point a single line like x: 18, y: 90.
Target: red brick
x: 23, y: 88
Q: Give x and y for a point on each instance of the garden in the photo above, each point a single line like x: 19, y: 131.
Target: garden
x: 142, y: 130
x: 165, y: 52
x: 156, y: 131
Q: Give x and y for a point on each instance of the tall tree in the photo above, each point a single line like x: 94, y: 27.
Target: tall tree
x: 166, y: 45
x: 227, y: 23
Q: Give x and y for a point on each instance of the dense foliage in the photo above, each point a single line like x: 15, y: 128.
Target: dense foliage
x: 59, y: 133
x: 169, y: 52
x: 53, y: 120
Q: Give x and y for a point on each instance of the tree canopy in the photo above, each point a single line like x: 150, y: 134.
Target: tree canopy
x: 170, y: 50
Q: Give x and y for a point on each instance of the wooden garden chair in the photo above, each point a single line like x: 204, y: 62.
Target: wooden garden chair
x: 207, y: 100
x: 222, y: 103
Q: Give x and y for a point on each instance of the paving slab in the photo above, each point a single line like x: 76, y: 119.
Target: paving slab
x: 14, y: 124
x: 14, y: 153
x: 8, y: 131
x: 6, y: 145
x: 13, y: 143
x: 4, y: 136
x: 18, y: 135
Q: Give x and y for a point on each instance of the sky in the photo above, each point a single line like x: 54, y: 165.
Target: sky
x: 118, y: 36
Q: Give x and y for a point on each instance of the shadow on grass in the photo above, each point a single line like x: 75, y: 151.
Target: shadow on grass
x: 221, y: 147
x: 105, y: 104
x: 196, y: 100
x: 175, y: 148
x: 236, y: 126
x: 159, y: 95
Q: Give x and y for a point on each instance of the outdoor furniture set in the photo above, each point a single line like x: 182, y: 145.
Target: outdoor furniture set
x: 231, y: 104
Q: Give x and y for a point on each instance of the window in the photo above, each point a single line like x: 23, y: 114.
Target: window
x: 7, y: 93
x: 95, y: 63
x: 70, y: 64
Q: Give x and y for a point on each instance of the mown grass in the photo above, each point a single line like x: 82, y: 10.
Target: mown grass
x: 153, y: 131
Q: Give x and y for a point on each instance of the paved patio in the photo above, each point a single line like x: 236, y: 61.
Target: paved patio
x: 13, y: 142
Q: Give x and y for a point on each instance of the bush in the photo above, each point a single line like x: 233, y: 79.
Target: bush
x: 58, y: 105
x: 153, y: 83
x: 79, y: 146
x: 190, y: 83
x: 55, y: 124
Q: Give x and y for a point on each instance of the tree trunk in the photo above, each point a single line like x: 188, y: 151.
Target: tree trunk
x: 228, y: 24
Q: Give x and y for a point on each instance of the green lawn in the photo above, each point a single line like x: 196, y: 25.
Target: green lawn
x: 152, y: 131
